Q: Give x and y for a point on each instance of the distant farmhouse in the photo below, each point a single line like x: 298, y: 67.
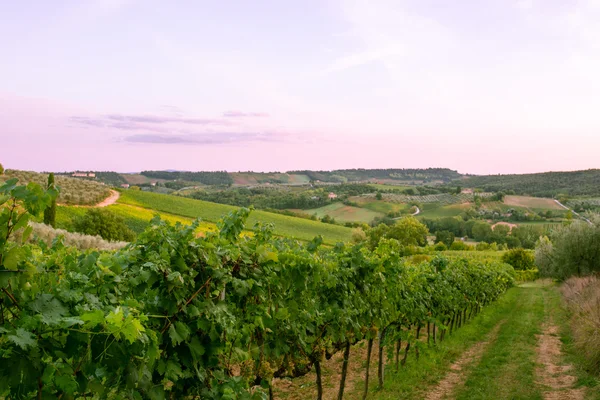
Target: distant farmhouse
x: 332, y: 196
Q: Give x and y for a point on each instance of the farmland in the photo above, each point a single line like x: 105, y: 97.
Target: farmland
x: 344, y: 213
x: 287, y: 226
x: 73, y: 191
x: 532, y: 202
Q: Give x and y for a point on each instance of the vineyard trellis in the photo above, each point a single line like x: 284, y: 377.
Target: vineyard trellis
x: 176, y: 316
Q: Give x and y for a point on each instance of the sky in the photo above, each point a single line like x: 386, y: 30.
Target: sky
x: 479, y: 86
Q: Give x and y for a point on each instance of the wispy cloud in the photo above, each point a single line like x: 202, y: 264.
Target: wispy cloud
x: 208, y: 138
x: 238, y: 114
x: 156, y: 119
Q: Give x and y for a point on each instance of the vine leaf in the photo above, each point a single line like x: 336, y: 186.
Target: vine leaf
x: 23, y: 339
x: 178, y: 332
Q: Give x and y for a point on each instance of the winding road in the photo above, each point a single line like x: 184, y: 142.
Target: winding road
x: 567, y: 208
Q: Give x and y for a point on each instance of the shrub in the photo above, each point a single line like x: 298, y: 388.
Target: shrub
x: 574, y: 250
x: 47, y: 234
x: 520, y: 259
x: 527, y: 275
x: 460, y: 246
x: 440, y: 246
x: 445, y: 237
x: 104, y: 223
x: 358, y: 235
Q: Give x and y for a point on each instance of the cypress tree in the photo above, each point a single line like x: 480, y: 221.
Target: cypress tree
x: 1, y: 170
x: 50, y: 211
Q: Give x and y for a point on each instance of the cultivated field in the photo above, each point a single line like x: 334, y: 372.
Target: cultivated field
x: 284, y: 225
x: 344, y: 213
x: 532, y: 202
x: 73, y: 191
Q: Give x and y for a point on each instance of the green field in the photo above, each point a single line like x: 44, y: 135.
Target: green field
x: 433, y: 210
x: 293, y: 227
x: 344, y: 213
x: 381, y: 186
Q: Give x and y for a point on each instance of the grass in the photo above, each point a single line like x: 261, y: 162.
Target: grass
x: 434, y: 210
x: 344, y: 213
x: 412, y: 381
x: 507, y: 367
x: 384, y: 207
x: 298, y: 228
x: 511, y: 359
x: 532, y: 202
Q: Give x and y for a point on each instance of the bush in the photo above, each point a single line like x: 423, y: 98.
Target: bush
x: 527, y: 275
x: 48, y: 235
x: 440, y: 246
x: 104, y: 223
x: 445, y: 237
x: 520, y: 259
x: 574, y: 250
x: 460, y: 246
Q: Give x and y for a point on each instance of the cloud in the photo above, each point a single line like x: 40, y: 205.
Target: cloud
x: 207, y: 138
x: 238, y: 114
x: 155, y: 119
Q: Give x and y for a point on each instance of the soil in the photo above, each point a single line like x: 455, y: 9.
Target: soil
x: 458, y: 374
x: 556, y: 379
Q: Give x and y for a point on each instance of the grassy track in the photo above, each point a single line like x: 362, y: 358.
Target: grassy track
x: 507, y: 366
x: 298, y: 228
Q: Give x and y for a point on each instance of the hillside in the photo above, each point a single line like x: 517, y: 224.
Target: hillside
x: 73, y: 191
x: 293, y: 227
x: 547, y: 184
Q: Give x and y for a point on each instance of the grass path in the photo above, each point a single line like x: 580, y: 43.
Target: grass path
x: 518, y: 348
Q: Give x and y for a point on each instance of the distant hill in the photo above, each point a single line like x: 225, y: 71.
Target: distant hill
x: 547, y: 184
x: 392, y: 176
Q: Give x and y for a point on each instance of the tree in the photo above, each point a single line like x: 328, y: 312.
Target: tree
x: 458, y: 190
x: 409, y: 232
x: 1, y: 170
x: 378, y: 196
x: 520, y: 259
x: 445, y: 237
x: 482, y: 231
x: 104, y: 223
x: 50, y: 211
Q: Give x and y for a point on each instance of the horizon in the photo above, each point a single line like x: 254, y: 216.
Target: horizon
x: 123, y: 85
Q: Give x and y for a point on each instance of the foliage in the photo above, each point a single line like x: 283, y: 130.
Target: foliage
x: 408, y: 231
x: 297, y: 228
x: 50, y: 211
x: 72, y: 191
x: 104, y: 223
x: 49, y: 235
x: 207, y: 178
x: 175, y: 316
x: 574, y: 250
x: 404, y: 175
x: 1, y: 170
x: 548, y: 184
x: 528, y: 275
x: 445, y: 237
x: 582, y: 297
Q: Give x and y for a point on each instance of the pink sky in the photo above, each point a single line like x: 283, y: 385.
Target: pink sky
x: 481, y: 86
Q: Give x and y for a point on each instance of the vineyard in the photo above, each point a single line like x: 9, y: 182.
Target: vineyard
x: 293, y: 227
x: 443, y: 199
x: 176, y: 316
x: 73, y: 191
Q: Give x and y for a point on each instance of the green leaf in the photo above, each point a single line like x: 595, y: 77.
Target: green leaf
x: 92, y: 318
x: 12, y: 258
x: 50, y: 309
x: 66, y: 383
x: 23, y: 339
x: 196, y: 347
x: 178, y: 332
x: 27, y: 233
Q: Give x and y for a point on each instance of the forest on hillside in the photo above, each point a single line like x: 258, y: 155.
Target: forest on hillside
x: 547, y: 184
